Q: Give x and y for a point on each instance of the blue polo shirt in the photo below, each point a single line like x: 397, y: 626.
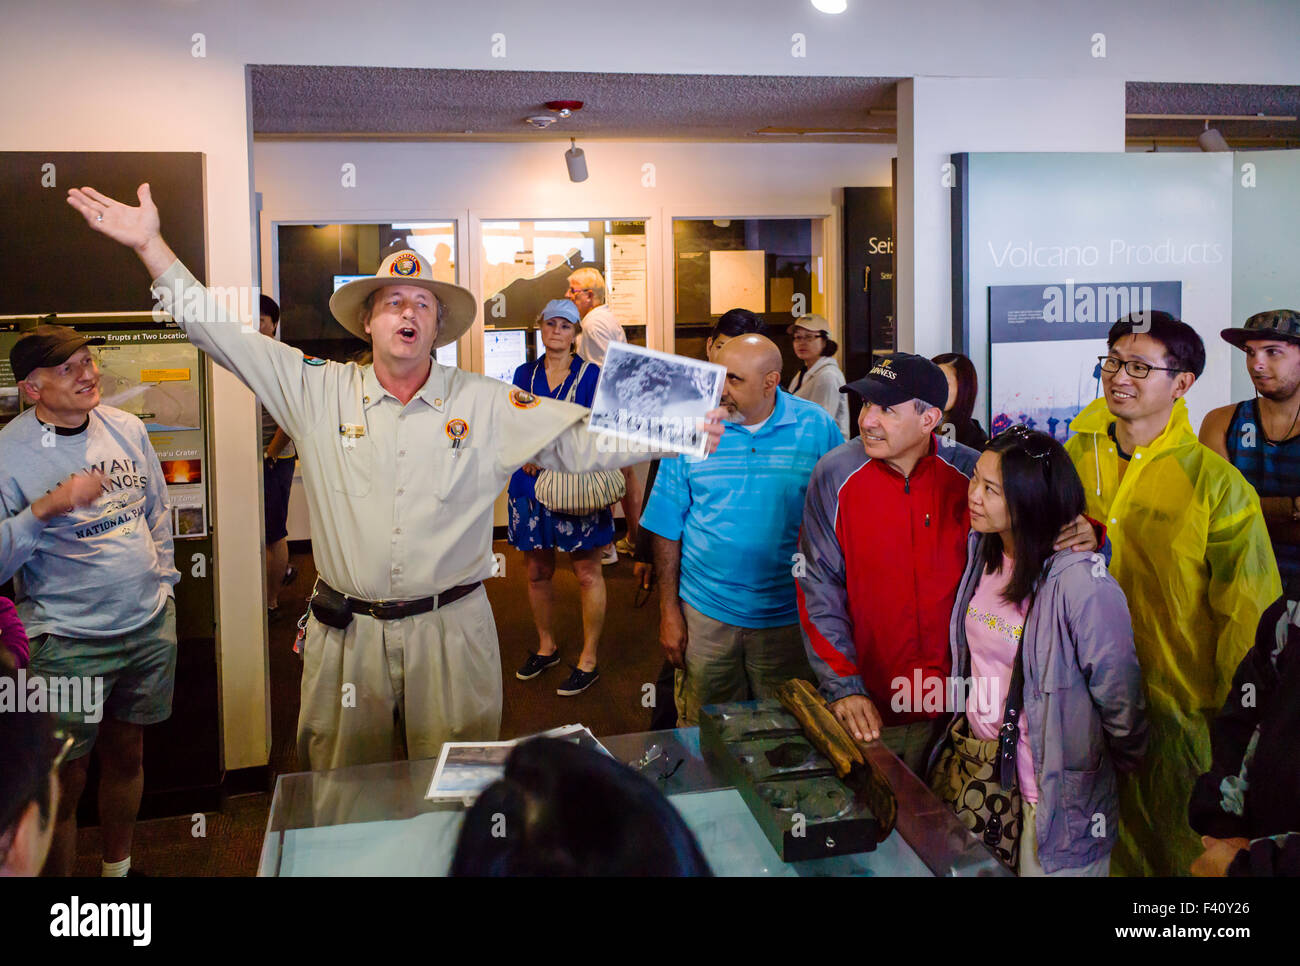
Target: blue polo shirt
x: 737, y: 514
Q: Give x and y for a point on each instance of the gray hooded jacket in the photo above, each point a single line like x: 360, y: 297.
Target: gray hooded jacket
x: 1084, y: 704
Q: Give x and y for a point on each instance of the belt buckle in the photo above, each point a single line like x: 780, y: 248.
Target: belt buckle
x: 376, y: 606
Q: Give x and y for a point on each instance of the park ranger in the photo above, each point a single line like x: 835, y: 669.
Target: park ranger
x: 403, y: 461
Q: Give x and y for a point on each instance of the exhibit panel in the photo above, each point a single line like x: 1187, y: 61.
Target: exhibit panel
x: 1096, y: 236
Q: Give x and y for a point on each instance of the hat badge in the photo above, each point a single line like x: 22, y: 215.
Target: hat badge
x: 405, y: 265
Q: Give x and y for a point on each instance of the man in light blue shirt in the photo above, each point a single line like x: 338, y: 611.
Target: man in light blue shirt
x: 726, y: 532
x: 85, y: 525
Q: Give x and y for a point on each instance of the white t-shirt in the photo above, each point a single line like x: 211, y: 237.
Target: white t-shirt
x: 599, y: 329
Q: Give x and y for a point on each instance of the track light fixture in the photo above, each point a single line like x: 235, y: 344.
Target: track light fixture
x: 576, y: 161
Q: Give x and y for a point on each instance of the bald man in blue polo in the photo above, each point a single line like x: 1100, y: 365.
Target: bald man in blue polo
x: 726, y: 535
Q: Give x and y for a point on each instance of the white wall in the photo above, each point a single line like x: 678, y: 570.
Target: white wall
x: 938, y: 117
x: 1247, y: 41
x: 1265, y: 213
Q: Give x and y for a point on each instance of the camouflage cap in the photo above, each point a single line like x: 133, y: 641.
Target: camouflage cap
x: 1281, y: 324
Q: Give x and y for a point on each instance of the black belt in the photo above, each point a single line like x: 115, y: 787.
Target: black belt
x: 327, y: 599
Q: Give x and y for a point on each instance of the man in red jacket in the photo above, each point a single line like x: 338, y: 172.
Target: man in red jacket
x: 884, y: 546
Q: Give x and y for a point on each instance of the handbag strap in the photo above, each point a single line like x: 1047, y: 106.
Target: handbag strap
x: 1009, y: 734
x: 573, y: 389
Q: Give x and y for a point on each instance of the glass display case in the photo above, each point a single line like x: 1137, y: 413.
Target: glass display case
x: 375, y: 820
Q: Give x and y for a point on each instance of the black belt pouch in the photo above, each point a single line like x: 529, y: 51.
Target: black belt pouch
x: 330, y: 607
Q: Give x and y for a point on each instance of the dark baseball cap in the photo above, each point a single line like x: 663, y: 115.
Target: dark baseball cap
x: 1281, y: 324
x: 46, y: 345
x: 900, y: 376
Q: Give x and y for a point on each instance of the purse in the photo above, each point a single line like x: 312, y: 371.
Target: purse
x: 578, y: 494
x: 977, y: 777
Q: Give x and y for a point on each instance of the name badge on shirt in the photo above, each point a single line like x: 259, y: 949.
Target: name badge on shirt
x: 457, y: 430
x: 350, y: 433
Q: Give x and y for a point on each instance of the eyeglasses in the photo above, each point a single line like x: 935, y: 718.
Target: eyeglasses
x: 1138, y: 370
x: 805, y: 338
x: 1036, y: 445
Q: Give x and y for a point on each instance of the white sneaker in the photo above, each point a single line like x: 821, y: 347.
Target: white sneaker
x: 609, y: 555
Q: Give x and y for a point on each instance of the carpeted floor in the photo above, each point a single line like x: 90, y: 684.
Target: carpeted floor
x: 630, y: 659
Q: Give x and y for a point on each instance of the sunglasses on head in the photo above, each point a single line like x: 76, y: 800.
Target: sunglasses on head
x: 1035, y: 445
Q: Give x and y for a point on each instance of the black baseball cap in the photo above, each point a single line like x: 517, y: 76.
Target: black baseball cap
x: 900, y: 376
x: 1281, y: 324
x: 46, y: 345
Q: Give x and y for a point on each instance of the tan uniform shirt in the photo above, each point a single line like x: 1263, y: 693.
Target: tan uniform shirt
x: 397, y: 511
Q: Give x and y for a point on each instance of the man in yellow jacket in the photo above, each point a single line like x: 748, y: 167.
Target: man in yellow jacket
x: 1192, y: 553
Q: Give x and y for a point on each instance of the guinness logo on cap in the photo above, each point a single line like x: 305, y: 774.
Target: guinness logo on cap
x: 405, y: 265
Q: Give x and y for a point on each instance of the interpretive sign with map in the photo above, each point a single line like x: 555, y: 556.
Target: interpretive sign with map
x: 155, y: 374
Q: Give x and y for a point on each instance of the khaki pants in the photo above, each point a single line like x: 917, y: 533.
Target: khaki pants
x: 726, y: 663
x: 912, y: 742
x: 386, y: 690
x: 1029, y: 851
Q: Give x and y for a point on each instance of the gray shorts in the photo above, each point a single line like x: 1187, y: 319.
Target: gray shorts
x: 128, y: 678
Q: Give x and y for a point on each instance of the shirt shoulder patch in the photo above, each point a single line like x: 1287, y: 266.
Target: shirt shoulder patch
x: 522, y: 400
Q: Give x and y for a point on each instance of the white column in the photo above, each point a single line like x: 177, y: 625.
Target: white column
x: 940, y: 116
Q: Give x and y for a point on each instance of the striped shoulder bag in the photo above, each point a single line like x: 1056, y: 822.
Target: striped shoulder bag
x: 579, y: 493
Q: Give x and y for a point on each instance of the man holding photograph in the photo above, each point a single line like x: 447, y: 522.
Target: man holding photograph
x: 726, y: 530
x: 403, y: 460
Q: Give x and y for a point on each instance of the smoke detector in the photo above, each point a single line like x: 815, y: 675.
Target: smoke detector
x: 540, y: 121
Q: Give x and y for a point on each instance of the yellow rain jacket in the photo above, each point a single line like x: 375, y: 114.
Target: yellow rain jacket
x: 1192, y: 554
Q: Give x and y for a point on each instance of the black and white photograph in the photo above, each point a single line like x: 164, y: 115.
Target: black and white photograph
x: 653, y: 399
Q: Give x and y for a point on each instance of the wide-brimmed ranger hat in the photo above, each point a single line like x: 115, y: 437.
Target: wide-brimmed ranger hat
x: 1282, y: 324
x: 406, y: 268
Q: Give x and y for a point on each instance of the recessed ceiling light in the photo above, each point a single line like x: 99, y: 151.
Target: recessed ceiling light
x: 831, y: 6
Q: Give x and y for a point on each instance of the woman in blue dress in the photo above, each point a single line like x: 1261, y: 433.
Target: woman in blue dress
x: 539, y: 532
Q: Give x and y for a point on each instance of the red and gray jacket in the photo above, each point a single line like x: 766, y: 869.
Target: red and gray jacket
x: 882, y: 557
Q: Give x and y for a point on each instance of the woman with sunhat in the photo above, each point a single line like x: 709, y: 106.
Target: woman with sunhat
x: 538, y: 531
x: 820, y: 378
